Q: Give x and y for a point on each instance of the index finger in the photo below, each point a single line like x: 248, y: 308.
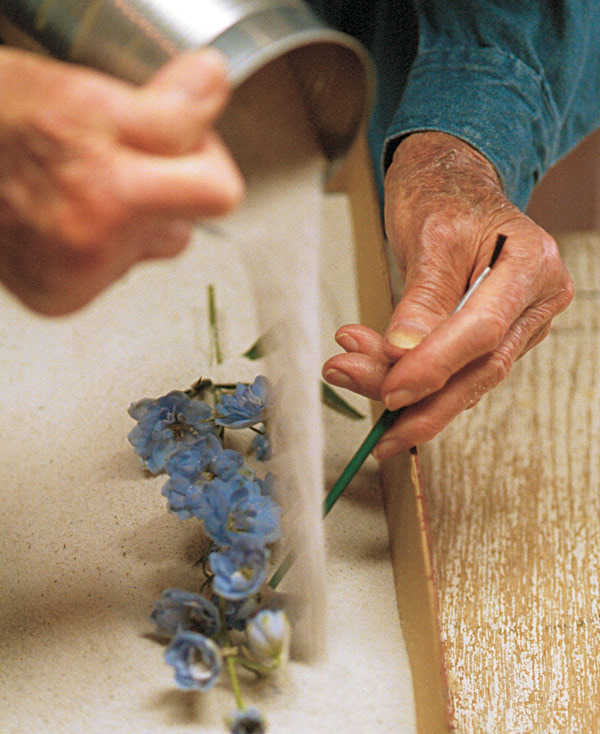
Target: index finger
x: 202, y: 184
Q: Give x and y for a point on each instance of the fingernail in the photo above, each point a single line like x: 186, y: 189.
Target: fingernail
x: 399, y: 399
x: 340, y: 379
x: 387, y: 448
x: 347, y: 342
x: 405, y: 337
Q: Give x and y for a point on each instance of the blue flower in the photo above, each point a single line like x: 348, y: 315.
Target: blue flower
x: 193, y: 469
x: 179, y: 610
x: 196, y: 659
x: 262, y: 446
x: 239, y: 570
x: 246, y: 406
x: 205, y: 459
x: 183, y: 498
x: 237, y: 509
x: 248, y: 721
x: 166, y: 425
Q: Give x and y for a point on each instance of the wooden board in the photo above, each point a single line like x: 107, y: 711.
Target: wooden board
x: 513, y: 495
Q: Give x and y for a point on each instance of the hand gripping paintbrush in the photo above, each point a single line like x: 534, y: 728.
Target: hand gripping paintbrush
x: 386, y: 420
x: 389, y: 417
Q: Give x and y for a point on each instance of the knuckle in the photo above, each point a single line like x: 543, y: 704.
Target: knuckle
x: 565, y: 293
x: 538, y: 337
x: 428, y: 296
x: 88, y: 221
x: 550, y: 265
x: 498, y: 367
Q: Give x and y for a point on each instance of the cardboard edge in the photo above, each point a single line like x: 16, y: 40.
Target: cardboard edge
x: 403, y: 496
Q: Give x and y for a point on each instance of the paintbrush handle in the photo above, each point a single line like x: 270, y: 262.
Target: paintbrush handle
x: 386, y: 420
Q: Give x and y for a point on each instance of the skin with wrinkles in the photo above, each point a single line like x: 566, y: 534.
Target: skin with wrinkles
x: 96, y: 174
x: 444, y: 209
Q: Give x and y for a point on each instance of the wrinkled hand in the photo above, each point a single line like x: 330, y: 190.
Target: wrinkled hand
x: 96, y: 174
x: 444, y: 210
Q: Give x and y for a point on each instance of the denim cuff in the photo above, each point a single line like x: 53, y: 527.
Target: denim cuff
x: 489, y: 99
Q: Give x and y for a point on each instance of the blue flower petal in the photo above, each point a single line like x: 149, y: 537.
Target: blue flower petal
x: 195, y: 458
x: 239, y: 570
x: 246, y: 407
x: 166, y: 425
x: 202, y: 464
x: 262, y: 446
x: 179, y: 610
x: 236, y: 509
x: 196, y: 659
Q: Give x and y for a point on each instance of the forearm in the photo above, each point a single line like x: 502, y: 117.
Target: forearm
x: 516, y: 81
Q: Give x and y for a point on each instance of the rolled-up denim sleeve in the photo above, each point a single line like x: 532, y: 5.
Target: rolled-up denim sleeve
x: 518, y: 81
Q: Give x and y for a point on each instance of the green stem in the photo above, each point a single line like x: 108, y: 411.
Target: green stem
x: 230, y: 659
x: 386, y: 420
x: 282, y: 569
x: 235, y: 683
x: 212, y: 319
x: 256, y: 666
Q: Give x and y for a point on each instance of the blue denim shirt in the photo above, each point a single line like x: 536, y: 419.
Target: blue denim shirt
x: 517, y: 79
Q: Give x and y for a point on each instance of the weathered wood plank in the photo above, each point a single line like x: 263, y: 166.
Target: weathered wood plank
x: 513, y: 494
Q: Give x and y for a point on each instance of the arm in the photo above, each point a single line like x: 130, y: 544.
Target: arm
x: 96, y: 175
x: 497, y: 86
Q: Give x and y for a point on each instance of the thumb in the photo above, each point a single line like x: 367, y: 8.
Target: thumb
x: 429, y: 297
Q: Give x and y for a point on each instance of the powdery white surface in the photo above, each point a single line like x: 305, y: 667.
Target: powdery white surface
x: 87, y: 546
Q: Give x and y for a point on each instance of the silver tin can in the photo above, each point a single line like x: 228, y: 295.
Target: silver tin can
x: 131, y: 39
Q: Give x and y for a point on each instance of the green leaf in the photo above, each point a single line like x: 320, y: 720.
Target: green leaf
x: 256, y: 351
x: 332, y: 400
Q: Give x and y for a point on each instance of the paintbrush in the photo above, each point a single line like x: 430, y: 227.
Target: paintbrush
x: 389, y: 417
x: 386, y: 420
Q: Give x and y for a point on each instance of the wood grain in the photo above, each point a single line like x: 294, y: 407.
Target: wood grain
x: 513, y: 495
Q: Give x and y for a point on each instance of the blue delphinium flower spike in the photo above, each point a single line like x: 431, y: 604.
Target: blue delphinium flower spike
x: 262, y: 446
x: 246, y: 407
x: 239, y: 570
x: 248, y: 721
x: 193, y: 469
x: 179, y: 610
x: 196, y: 659
x: 165, y: 425
x: 237, y: 508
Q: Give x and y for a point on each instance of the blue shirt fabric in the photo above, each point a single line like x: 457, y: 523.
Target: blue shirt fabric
x: 517, y: 79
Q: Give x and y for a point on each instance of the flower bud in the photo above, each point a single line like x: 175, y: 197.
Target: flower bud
x: 268, y: 635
